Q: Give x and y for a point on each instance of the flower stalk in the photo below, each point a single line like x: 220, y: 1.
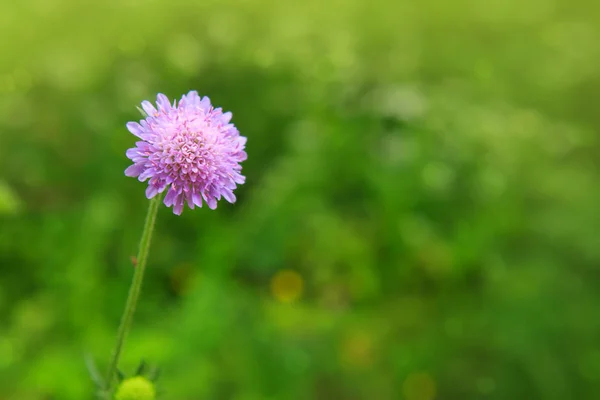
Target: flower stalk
x: 134, y: 293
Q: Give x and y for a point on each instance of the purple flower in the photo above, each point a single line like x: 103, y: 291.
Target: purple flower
x: 190, y: 149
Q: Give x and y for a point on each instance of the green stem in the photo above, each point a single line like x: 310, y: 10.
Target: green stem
x: 134, y: 292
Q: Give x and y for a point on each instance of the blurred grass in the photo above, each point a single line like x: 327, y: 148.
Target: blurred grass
x: 420, y: 218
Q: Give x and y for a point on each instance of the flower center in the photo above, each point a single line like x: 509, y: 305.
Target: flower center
x: 187, y: 156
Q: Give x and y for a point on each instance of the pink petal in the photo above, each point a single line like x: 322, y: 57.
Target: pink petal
x: 148, y: 108
x: 229, y: 196
x: 134, y: 170
x: 210, y: 201
x: 151, y: 191
x: 178, y: 207
x: 197, y: 199
x: 135, y: 128
x: 163, y: 102
x: 170, y: 197
x: 226, y: 117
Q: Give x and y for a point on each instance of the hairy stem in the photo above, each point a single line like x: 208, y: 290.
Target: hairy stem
x: 134, y: 293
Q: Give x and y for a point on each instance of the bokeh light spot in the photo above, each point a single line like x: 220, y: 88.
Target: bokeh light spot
x: 419, y: 386
x: 357, y: 350
x: 185, y: 53
x: 287, y: 286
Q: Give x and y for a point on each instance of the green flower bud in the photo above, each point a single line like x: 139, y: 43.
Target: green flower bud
x: 136, y: 388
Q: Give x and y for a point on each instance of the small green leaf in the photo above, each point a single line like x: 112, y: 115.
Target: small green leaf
x: 141, y: 369
x: 142, y: 112
x: 154, y: 374
x: 93, y: 370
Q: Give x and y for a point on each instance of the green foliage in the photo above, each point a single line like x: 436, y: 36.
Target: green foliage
x: 420, y: 218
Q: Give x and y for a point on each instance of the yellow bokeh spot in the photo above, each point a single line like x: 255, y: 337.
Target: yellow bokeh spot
x: 287, y: 286
x: 357, y: 350
x: 419, y: 386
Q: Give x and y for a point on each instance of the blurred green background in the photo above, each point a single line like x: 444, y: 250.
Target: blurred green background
x: 420, y: 219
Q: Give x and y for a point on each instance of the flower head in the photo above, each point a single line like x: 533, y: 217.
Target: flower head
x: 189, y: 149
x: 136, y: 388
